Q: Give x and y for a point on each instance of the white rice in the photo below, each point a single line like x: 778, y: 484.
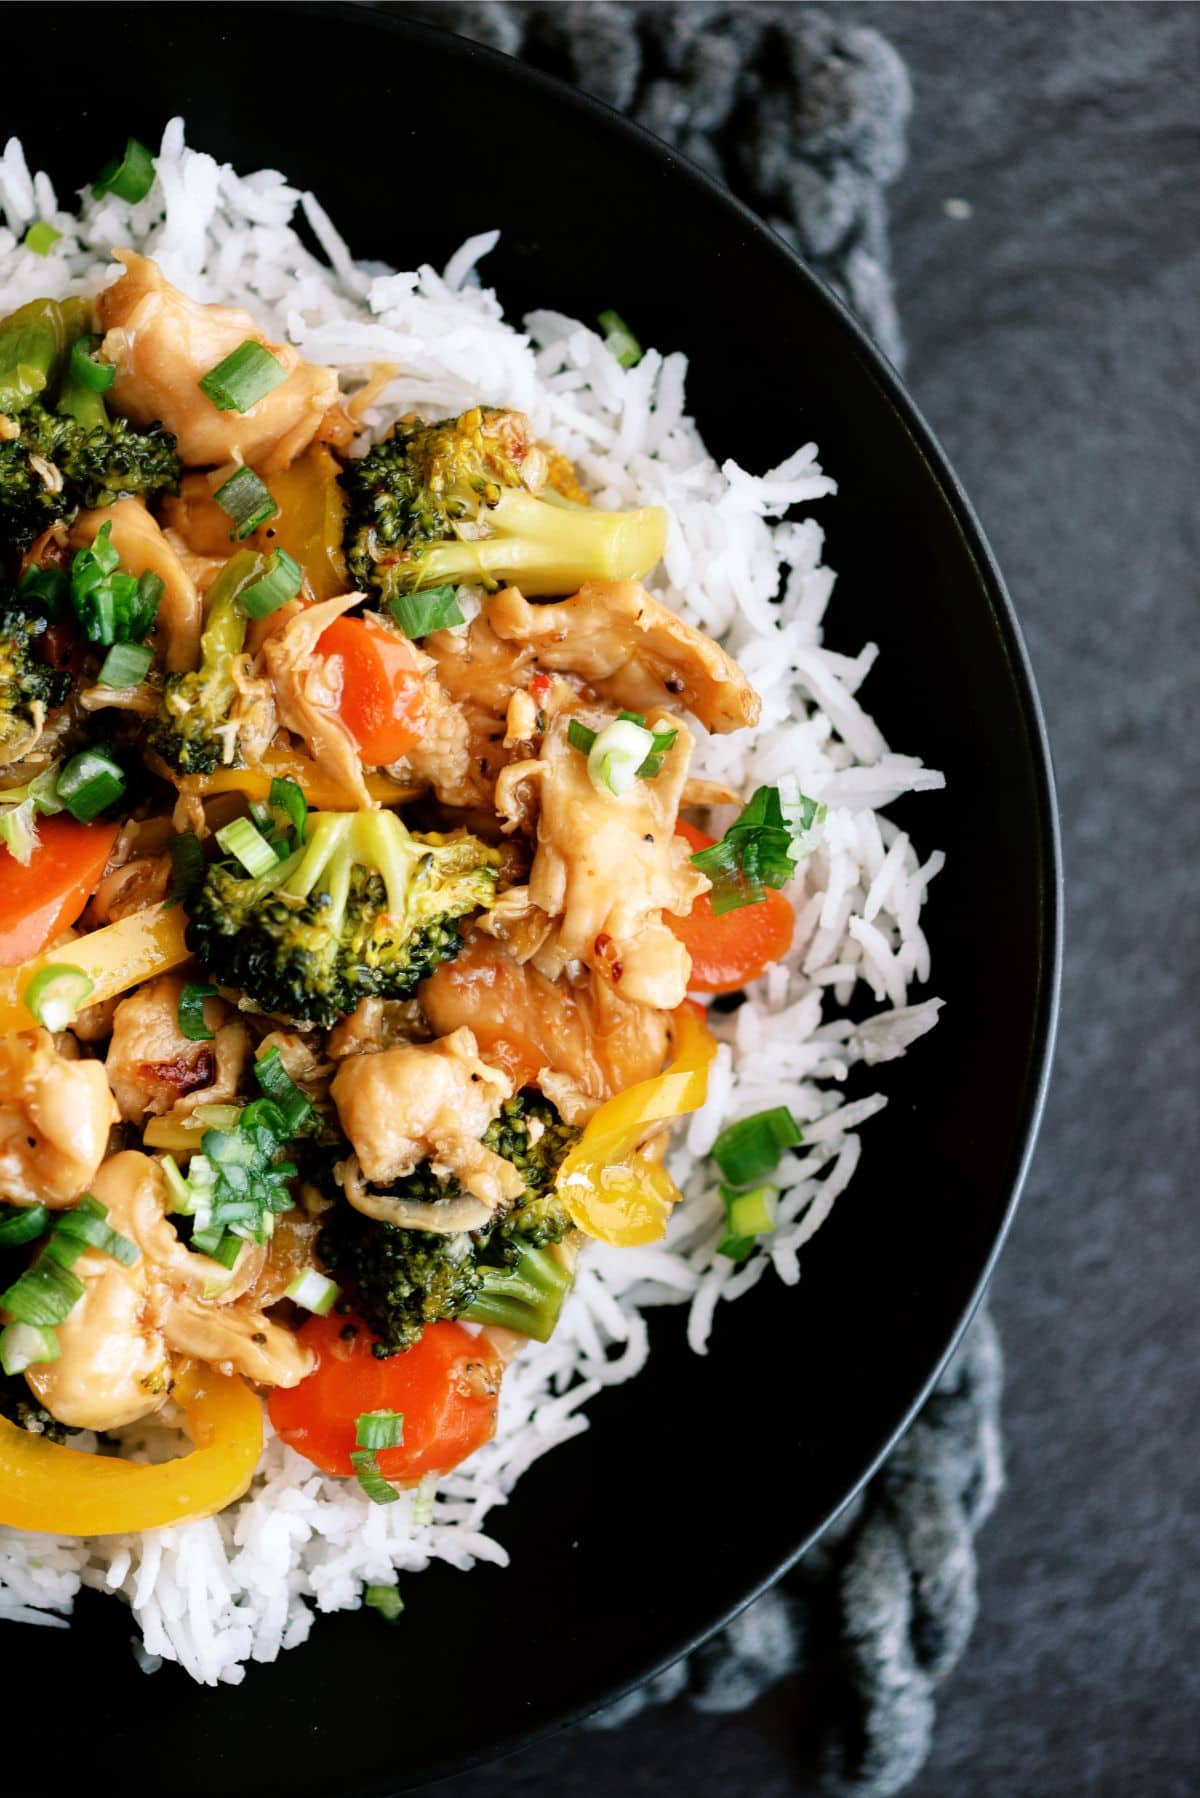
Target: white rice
x: 215, y: 1594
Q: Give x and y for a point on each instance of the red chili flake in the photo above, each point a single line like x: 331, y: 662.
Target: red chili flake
x: 605, y: 950
x: 539, y: 686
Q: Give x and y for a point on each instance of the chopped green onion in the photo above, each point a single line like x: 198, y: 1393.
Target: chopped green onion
x: 85, y: 1226
x: 26, y: 1345
x: 580, y: 737
x: 422, y: 1504
x: 752, y: 1213
x: 56, y: 993
x: 366, y: 1467
x: 247, y: 375
x: 20, y: 809
x: 177, y: 1186
x: 50, y: 587
x: 82, y: 366
x: 218, y: 1117
x: 617, y: 753
x: 282, y: 581
x: 418, y: 614
x: 22, y: 1225
x: 379, y: 1429
x: 749, y: 1149
x: 384, y: 1599
x: 112, y: 606
x: 662, y: 741
x: 759, y: 849
x: 187, y: 865
x: 45, y: 1293
x: 125, y: 665
x: 281, y: 1089
x: 248, y: 502
x: 41, y: 238
x: 143, y: 609
x: 620, y: 339
x: 130, y: 176
x: 218, y: 1243
x: 735, y: 1248
x: 190, y: 1012
x: 285, y: 796
x: 313, y: 1292
x: 89, y: 783
x: 249, y: 846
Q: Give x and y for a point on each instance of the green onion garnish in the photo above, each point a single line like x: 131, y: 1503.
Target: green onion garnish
x: 748, y: 1216
x: 286, y: 797
x: 418, y: 614
x: 112, y: 606
x: 384, y: 1599
x: 41, y: 238
x: 218, y: 1243
x: 44, y: 1294
x: 759, y: 849
x: 248, y: 846
x: 85, y: 1227
x: 313, y: 1292
x: 98, y: 377
x: 22, y: 1225
x: 247, y: 500
x: 130, y: 177
x: 580, y: 737
x: 620, y: 339
x: 49, y: 587
x: 379, y: 1429
x: 125, y: 665
x: 187, y: 865
x: 278, y: 1086
x: 245, y: 376
x: 177, y: 1186
x: 26, y: 1345
x: 190, y: 1012
x: 750, y: 1149
x: 663, y: 740
x: 90, y: 781
x: 281, y: 582
x: 55, y: 994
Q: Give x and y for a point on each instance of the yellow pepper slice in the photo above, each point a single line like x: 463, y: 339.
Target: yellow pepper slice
x: 121, y: 955
x: 310, y: 522
x: 323, y: 793
x: 64, y: 1492
x: 612, y: 1192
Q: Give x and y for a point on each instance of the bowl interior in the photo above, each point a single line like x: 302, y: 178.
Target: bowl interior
x: 698, y: 1481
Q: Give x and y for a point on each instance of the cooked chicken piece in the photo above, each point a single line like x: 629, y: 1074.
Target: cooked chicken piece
x: 194, y: 516
x: 55, y: 1116
x: 153, y: 1067
x: 429, y: 1102
x: 467, y: 697
x: 142, y: 548
x: 526, y: 1024
x: 307, y: 688
x: 631, y: 649
x: 375, y: 1024
x: 163, y: 343
x: 237, y: 1339
x: 301, y: 1063
x: 604, y: 871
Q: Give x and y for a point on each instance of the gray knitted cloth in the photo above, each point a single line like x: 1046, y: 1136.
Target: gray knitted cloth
x: 803, y: 116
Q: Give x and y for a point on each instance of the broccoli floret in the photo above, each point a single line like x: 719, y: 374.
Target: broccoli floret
x: 470, y: 499
x: 362, y: 909
x: 193, y: 733
x: 18, y: 1404
x: 29, y: 688
x: 516, y: 1272
x: 54, y: 465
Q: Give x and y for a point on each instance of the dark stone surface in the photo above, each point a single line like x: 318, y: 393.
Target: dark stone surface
x: 1053, y: 345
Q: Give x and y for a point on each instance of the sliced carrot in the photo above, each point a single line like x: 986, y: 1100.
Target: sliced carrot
x: 729, y: 949
x: 40, y: 900
x: 381, y: 688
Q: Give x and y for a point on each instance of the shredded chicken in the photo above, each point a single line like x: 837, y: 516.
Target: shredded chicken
x: 153, y: 1067
x: 55, y: 1116
x: 631, y: 649
x: 307, y: 687
x: 143, y: 549
x: 604, y: 871
x: 237, y: 1340
x: 375, y: 1024
x: 432, y: 1102
x: 163, y: 343
x: 465, y: 724
x: 582, y: 1029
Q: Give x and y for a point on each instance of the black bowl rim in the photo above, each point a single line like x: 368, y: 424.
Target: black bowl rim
x: 925, y: 443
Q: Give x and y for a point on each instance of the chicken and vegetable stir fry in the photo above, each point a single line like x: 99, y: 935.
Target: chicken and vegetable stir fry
x: 348, y: 918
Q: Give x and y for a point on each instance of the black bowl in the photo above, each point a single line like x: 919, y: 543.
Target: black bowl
x: 698, y: 1483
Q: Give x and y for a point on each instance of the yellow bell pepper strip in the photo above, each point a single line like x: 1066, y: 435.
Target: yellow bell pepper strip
x: 121, y: 955
x: 610, y: 1190
x: 64, y: 1492
x: 310, y: 522
x: 322, y: 793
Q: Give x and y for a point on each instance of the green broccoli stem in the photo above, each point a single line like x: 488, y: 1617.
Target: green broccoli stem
x: 547, y: 547
x: 527, y: 1297
x: 32, y: 343
x: 224, y: 633
x: 336, y: 841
